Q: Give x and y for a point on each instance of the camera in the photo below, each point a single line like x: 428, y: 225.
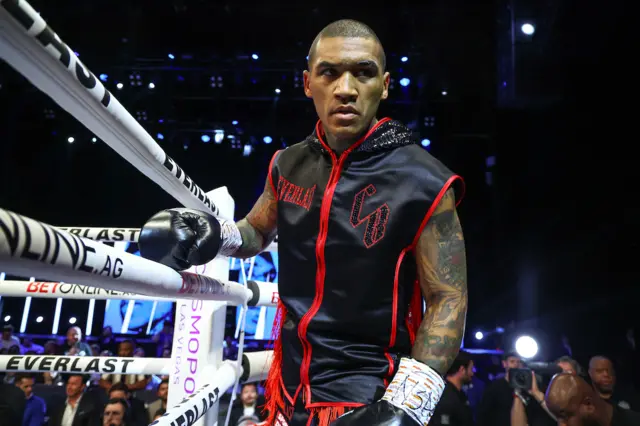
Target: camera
x: 522, y: 378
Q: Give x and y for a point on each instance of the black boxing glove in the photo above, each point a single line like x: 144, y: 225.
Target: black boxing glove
x: 409, y: 399
x: 180, y: 238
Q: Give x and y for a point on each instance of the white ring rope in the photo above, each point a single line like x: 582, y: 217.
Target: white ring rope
x: 115, y: 235
x: 29, y: 247
x: 29, y: 45
x: 267, y: 293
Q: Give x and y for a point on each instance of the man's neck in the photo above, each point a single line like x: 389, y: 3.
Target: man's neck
x: 455, y: 381
x: 73, y: 400
x: 341, y: 145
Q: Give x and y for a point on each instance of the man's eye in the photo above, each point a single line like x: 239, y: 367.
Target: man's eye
x: 328, y: 72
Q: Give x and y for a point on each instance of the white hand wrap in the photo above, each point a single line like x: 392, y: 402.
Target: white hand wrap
x: 231, y: 239
x: 415, y: 389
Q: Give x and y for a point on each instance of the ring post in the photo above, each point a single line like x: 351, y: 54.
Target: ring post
x: 199, y: 330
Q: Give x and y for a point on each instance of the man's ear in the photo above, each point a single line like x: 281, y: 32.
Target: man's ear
x: 307, y: 88
x: 386, y: 80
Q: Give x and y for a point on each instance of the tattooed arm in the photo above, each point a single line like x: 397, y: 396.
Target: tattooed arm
x: 442, y: 271
x: 259, y: 227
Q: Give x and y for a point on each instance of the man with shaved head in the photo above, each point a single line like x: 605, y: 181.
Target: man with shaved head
x: 575, y: 403
x: 603, y: 378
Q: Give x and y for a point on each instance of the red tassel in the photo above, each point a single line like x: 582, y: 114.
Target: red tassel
x: 326, y: 415
x: 273, y: 385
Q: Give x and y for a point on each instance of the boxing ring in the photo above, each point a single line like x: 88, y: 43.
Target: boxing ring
x: 80, y: 266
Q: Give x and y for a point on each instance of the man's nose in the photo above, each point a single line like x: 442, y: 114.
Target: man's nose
x: 346, y: 88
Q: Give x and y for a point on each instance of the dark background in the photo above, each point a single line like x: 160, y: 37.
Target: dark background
x: 552, y: 241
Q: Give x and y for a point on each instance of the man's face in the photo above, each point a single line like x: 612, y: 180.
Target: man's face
x: 26, y: 385
x: 249, y: 395
x: 75, y: 386
x: 346, y: 72
x: 125, y: 349
x: 602, y: 375
x: 512, y: 362
x: 468, y: 374
x: 118, y: 394
x: 113, y: 415
x: 163, y: 391
x: 74, y: 335
x: 6, y: 334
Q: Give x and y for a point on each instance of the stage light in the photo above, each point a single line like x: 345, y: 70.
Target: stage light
x: 405, y: 82
x: 71, y: 139
x: 119, y: 85
x: 160, y: 136
x: 94, y: 140
x: 185, y: 146
x: 444, y: 93
x: 528, y: 28
x: 499, y: 330
x: 72, y: 320
x: 255, y: 56
x: 205, y: 138
x: 526, y: 346
x: 479, y: 335
x: 247, y: 150
x: 278, y: 91
x: 152, y: 85
x: 7, y: 318
x: 234, y: 122
x: 77, y: 54
x: 39, y: 319
x: 170, y: 55
x: 404, y: 59
x: 104, y: 77
x: 425, y: 142
x: 267, y: 140
x: 218, y: 136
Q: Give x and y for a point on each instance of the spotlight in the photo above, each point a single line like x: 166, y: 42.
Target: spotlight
x: 405, y: 82
x: 255, y: 56
x: 267, y: 140
x: 170, y: 55
x: 526, y: 346
x: 104, y: 77
x: 404, y: 59
x: 425, y: 142
x: 444, y: 93
x: 94, y: 140
x: 246, y: 151
x: 278, y: 91
x: 119, y: 85
x: 218, y: 136
x: 479, y: 335
x: 152, y: 85
x: 72, y: 320
x: 234, y: 122
x: 39, y: 319
x: 71, y: 139
x: 205, y: 138
x: 7, y: 318
x: 528, y: 28
x: 160, y: 136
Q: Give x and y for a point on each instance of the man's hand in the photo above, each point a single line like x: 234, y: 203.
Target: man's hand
x: 442, y: 271
x: 259, y: 227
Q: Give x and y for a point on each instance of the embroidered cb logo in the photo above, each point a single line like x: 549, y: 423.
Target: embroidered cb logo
x: 376, y: 221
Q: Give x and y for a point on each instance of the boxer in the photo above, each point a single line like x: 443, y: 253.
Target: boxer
x: 367, y: 228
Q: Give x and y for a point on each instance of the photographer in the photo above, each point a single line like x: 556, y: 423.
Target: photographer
x: 529, y: 407
x: 453, y: 408
x: 495, y: 406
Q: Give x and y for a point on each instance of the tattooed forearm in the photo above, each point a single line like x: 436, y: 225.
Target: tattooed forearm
x: 442, y: 269
x: 259, y: 228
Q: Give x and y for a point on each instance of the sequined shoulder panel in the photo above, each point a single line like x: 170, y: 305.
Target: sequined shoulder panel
x: 389, y: 135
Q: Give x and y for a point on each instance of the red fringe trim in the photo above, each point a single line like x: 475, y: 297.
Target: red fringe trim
x: 326, y: 415
x: 273, y: 385
x: 414, y: 316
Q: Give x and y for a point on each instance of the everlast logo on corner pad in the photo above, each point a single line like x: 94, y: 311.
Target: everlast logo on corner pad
x: 292, y: 193
x: 197, y: 410
x: 65, y: 364
x: 105, y: 234
x: 27, y: 17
